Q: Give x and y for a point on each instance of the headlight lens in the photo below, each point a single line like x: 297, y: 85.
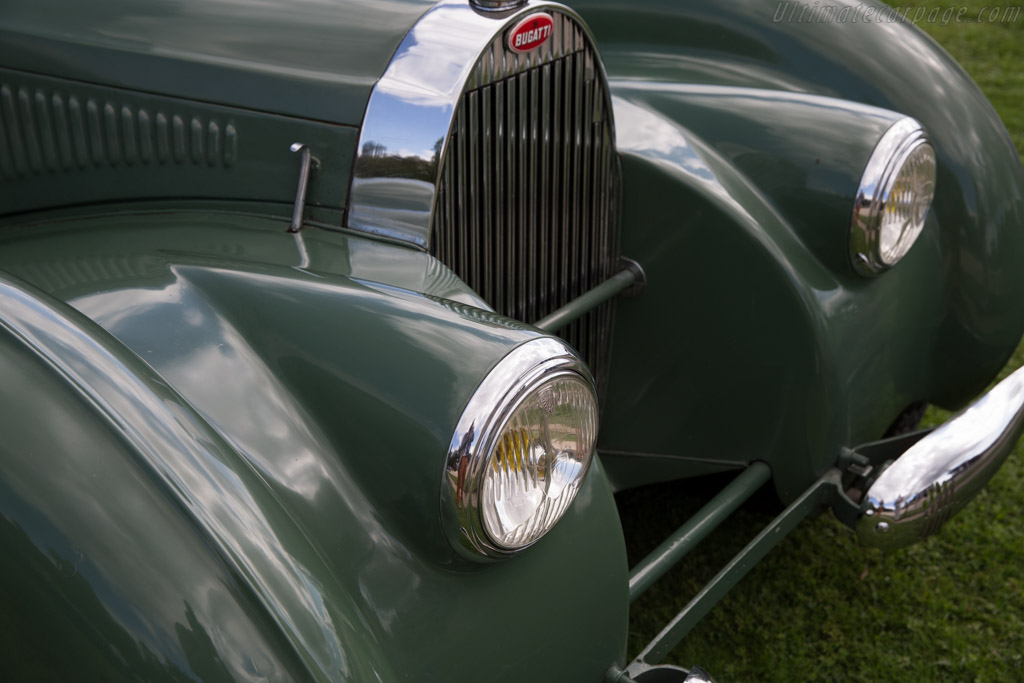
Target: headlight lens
x: 520, y: 451
x: 538, y: 462
x: 893, y: 199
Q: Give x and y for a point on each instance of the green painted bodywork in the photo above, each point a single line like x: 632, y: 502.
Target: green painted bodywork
x: 225, y: 442
x: 309, y: 59
x: 743, y: 237
x: 292, y: 417
x: 75, y: 144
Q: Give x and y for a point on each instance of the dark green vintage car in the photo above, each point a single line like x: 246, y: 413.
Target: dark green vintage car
x: 329, y: 329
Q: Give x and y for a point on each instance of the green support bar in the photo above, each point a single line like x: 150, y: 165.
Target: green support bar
x: 561, y: 317
x: 821, y: 492
x: 696, y: 528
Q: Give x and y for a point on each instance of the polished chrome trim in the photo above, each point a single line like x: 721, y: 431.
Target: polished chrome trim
x: 500, y: 164
x: 497, y: 5
x: 699, y: 675
x: 942, y: 472
x: 540, y: 232
x: 507, y: 385
x: 895, y: 146
x: 452, y: 49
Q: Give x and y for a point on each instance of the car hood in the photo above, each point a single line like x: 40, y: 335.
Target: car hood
x: 315, y: 59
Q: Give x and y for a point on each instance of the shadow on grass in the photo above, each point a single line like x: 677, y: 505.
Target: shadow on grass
x: 823, y: 607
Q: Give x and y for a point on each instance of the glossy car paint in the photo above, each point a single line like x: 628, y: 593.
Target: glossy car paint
x: 294, y: 422
x: 303, y: 58
x: 742, y: 239
x: 73, y: 143
x: 310, y: 383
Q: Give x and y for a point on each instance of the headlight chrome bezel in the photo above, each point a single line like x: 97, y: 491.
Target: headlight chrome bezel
x: 899, y: 144
x: 514, y: 380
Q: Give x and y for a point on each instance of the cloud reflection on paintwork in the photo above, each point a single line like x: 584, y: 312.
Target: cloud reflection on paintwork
x: 648, y: 134
x: 264, y: 422
x: 190, y: 458
x: 206, y: 357
x: 94, y: 511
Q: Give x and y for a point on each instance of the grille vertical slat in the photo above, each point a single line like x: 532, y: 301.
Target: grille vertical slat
x: 487, y: 164
x: 545, y: 183
x: 499, y: 182
x: 588, y: 277
x: 446, y: 243
x: 522, y: 241
x: 462, y: 263
x: 534, y: 248
x: 511, y: 209
x: 596, y: 323
x: 564, y: 152
x: 579, y: 122
x: 473, y: 235
x: 527, y: 185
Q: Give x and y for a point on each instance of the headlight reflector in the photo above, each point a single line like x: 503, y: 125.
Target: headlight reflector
x: 520, y: 451
x: 538, y: 462
x: 893, y: 199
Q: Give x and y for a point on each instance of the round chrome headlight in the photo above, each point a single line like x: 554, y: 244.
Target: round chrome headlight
x: 520, y: 451
x: 893, y: 199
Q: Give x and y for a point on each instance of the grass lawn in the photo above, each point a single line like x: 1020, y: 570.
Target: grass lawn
x: 823, y: 607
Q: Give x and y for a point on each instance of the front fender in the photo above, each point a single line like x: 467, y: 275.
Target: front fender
x: 106, y: 474
x: 325, y: 405
x: 731, y: 310
x: 739, y: 210
x: 884, y: 63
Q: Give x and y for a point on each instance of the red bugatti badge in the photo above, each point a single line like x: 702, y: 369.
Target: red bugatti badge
x: 531, y: 32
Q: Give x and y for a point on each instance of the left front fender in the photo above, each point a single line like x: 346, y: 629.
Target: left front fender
x: 334, y: 400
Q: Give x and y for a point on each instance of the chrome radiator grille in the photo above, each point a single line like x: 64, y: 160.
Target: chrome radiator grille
x: 527, y: 193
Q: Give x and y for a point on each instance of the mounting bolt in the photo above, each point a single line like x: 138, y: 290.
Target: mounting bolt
x: 640, y: 277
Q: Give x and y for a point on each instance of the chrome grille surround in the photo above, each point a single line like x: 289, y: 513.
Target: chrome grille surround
x: 525, y: 201
x: 501, y: 164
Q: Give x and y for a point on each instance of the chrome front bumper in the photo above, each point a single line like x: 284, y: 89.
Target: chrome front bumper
x: 914, y: 483
x: 939, y: 474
